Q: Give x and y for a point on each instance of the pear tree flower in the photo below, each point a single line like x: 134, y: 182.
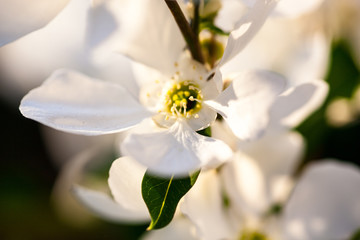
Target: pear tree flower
x: 175, y: 100
x: 245, y: 188
x: 323, y: 205
x: 268, y: 152
x: 20, y: 17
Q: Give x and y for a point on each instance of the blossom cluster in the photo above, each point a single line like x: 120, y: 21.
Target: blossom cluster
x: 201, y: 98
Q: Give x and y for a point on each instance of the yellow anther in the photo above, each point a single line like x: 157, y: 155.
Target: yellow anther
x: 183, y: 99
x: 175, y: 97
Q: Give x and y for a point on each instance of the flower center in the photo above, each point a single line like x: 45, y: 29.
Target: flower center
x: 183, y: 99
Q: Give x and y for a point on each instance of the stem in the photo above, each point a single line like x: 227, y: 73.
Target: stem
x: 195, y: 22
x: 185, y: 28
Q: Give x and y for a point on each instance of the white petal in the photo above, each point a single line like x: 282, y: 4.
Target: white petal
x: 206, y: 115
x: 18, y: 58
x: 245, y: 185
x: 153, y: 38
x: 294, y: 8
x: 180, y: 228
x: 308, y: 59
x: 301, y: 56
x: 325, y: 203
x: 292, y: 107
x: 291, y: 8
x: 104, y: 206
x: 247, y: 28
x: 260, y: 175
x: 277, y: 155
x: 229, y: 14
x: 20, y: 17
x: 245, y: 104
x: 72, y: 102
x: 205, y: 208
x: 220, y: 130
x: 177, y: 150
x: 125, y: 177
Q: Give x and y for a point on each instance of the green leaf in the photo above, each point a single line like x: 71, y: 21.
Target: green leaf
x: 356, y: 235
x: 205, y: 132
x: 211, y: 27
x: 162, y: 195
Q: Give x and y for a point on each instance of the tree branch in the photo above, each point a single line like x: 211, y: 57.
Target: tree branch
x: 190, y: 37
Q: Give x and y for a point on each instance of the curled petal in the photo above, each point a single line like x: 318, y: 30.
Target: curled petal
x: 177, y: 150
x: 247, y: 28
x: 292, y: 107
x: 125, y: 178
x: 72, y: 102
x: 245, y: 104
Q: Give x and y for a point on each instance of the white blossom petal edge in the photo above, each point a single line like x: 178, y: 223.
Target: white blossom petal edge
x: 75, y: 103
x: 178, y: 150
x: 245, y: 104
x: 125, y: 183
x: 325, y: 203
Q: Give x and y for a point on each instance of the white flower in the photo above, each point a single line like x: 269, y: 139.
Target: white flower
x: 20, y: 17
x: 323, y: 205
x: 183, y: 96
x: 256, y: 178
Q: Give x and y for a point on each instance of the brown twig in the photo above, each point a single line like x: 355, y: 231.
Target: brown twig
x: 190, y: 37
